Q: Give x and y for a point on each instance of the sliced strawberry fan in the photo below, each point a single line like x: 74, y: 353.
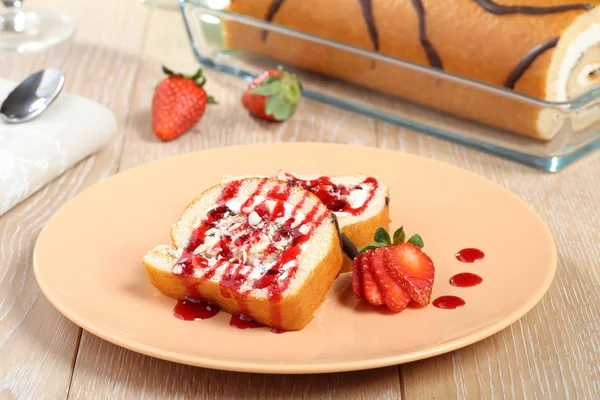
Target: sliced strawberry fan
x: 394, y: 271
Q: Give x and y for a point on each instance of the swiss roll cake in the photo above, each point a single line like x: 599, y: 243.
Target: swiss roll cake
x: 546, y: 49
x: 260, y: 247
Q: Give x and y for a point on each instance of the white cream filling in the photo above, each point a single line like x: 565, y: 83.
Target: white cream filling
x: 584, y: 75
x: 357, y: 197
x: 577, y: 47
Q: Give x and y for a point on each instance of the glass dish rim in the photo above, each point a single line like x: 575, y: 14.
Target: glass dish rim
x: 584, y: 99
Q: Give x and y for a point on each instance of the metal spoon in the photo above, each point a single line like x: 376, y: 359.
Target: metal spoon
x: 32, y: 96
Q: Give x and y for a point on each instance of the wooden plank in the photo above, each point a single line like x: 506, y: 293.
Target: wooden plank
x: 37, y: 344
x: 107, y: 371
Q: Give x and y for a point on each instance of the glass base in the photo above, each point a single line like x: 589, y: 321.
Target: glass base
x: 164, y: 4
x: 25, y: 31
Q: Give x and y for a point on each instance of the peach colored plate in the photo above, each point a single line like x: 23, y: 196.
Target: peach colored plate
x: 87, y: 262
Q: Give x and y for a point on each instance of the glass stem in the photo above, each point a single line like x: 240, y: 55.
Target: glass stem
x: 10, y: 22
x: 12, y: 4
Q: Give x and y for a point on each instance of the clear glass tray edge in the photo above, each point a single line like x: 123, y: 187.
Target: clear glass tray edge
x: 543, y: 163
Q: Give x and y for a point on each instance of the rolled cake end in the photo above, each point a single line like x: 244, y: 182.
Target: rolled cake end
x: 574, y: 69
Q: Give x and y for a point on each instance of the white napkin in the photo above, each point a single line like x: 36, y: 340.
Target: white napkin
x: 35, y: 152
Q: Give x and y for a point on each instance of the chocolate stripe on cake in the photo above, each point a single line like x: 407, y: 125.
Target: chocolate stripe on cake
x: 367, y: 10
x: 527, y: 61
x: 494, y: 8
x: 497, y: 9
x: 275, y: 5
x: 432, y: 55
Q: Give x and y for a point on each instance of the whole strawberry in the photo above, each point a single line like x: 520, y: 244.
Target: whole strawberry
x: 178, y: 103
x: 273, y: 95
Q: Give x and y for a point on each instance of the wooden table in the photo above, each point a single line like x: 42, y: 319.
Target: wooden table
x: 115, y: 58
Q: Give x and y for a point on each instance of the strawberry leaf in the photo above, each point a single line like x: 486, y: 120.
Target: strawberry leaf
x: 271, y: 79
x: 382, y: 236
x: 371, y: 246
x: 416, y: 240
x: 211, y: 100
x: 273, y: 103
x: 399, y: 236
x: 197, y: 75
x: 200, y: 81
x: 167, y: 71
x: 292, y: 90
x: 267, y: 89
x: 283, y: 112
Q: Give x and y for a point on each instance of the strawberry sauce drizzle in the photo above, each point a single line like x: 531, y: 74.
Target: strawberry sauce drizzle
x: 331, y: 193
x: 258, y: 190
x: 236, y: 272
x: 229, y: 192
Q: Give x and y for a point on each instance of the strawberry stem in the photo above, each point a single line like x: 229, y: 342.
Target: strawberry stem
x: 198, y: 78
x: 382, y: 239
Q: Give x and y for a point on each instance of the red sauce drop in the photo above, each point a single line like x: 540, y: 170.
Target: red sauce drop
x: 448, y: 302
x: 193, y: 310
x: 278, y: 331
x: 465, y: 279
x: 242, y: 321
x: 469, y: 255
x: 332, y: 194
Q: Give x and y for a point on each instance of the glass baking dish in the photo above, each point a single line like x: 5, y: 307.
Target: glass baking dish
x: 475, y: 114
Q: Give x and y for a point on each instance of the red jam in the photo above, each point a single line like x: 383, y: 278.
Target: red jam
x: 194, y: 310
x: 448, y: 302
x: 331, y: 194
x: 469, y: 255
x: 465, y: 279
x: 236, y: 272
